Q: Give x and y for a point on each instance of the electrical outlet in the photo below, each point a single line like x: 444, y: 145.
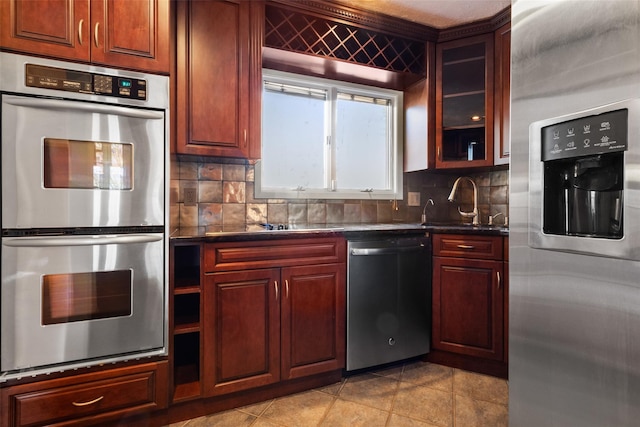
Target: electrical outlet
x: 413, y: 199
x: 190, y: 196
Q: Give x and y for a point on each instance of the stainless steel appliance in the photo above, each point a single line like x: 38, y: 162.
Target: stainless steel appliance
x: 84, y: 218
x: 388, y: 299
x: 575, y: 214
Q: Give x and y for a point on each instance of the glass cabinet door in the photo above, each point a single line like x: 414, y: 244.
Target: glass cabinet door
x: 464, y: 102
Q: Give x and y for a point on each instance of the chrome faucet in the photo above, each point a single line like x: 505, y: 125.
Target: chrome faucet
x: 452, y: 195
x: 424, y: 210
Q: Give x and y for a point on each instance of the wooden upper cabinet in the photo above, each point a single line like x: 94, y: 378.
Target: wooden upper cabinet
x: 131, y: 34
x: 118, y: 33
x: 419, y: 118
x: 218, y: 78
x: 58, y: 28
x: 464, y: 102
x: 502, y: 94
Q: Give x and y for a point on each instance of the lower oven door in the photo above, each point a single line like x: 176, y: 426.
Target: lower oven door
x: 81, y: 299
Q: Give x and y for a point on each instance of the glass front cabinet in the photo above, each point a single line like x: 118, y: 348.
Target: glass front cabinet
x: 464, y: 102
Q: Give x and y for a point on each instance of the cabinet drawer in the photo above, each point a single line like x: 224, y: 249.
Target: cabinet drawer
x: 88, y: 398
x: 273, y: 253
x: 468, y: 246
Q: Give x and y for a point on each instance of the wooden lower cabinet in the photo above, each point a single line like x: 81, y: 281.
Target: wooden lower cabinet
x: 468, y: 307
x: 469, y: 296
x: 313, y: 311
x: 266, y: 325
x: 241, y: 330
x: 87, y: 399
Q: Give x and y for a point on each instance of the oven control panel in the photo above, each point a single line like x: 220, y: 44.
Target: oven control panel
x: 83, y: 82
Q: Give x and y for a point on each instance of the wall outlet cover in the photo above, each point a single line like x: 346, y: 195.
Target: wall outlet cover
x: 190, y: 196
x: 413, y: 199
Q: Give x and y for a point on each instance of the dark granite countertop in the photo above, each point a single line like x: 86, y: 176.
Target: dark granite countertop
x: 258, y: 232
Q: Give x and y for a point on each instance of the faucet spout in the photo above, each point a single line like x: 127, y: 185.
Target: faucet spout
x: 424, y: 211
x: 474, y: 213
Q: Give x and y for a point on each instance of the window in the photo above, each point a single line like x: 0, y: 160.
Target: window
x: 329, y: 140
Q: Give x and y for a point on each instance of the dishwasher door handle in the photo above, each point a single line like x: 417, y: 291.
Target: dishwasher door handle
x: 385, y: 251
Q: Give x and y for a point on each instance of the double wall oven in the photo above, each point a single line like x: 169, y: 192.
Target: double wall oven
x: 84, y: 216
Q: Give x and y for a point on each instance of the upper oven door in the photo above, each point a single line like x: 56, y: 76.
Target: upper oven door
x: 80, y: 164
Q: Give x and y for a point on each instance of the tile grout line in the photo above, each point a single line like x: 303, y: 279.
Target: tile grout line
x: 261, y: 412
x: 395, y: 395
x: 326, y: 412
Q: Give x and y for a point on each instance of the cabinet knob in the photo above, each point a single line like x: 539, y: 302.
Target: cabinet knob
x: 275, y: 282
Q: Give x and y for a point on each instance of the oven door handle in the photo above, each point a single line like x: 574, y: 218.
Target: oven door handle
x: 61, y: 104
x: 54, y: 241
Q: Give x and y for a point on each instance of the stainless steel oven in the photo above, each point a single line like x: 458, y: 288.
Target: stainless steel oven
x: 84, y: 216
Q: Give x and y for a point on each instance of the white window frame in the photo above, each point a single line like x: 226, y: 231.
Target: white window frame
x: 395, y: 146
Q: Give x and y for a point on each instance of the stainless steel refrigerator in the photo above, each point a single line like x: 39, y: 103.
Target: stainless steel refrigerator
x: 574, y: 340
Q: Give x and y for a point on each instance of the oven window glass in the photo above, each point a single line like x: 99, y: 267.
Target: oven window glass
x: 85, y: 296
x: 87, y: 164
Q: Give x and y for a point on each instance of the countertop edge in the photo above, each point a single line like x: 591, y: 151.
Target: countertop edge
x: 193, y: 234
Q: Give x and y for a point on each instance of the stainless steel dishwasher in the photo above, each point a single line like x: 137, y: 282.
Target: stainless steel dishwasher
x: 388, y: 298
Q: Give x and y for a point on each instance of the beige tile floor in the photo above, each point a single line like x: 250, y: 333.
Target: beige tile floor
x: 414, y: 394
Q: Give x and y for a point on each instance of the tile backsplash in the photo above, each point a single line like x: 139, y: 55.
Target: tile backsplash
x: 224, y: 198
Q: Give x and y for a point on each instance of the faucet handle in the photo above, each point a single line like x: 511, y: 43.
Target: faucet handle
x: 492, y: 217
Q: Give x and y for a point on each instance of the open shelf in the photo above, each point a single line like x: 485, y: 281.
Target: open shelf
x: 186, y: 266
x: 186, y: 320
x: 186, y: 366
x: 186, y: 313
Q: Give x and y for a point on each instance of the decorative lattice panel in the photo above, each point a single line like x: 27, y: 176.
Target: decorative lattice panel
x: 297, y: 32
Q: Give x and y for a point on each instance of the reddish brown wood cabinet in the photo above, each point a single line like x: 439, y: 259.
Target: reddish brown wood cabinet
x: 273, y: 311
x: 469, y: 295
x: 502, y: 101
x: 464, y: 102
x: 219, y: 60
x: 87, y: 399
x: 118, y: 33
x: 241, y: 330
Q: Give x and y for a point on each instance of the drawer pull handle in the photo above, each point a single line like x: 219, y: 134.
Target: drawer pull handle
x: 276, y: 283
x: 286, y: 287
x: 90, y: 402
x: 466, y: 247
x: 499, y: 279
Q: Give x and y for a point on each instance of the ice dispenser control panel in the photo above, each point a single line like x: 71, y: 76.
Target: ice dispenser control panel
x: 598, y: 134
x: 584, y: 189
